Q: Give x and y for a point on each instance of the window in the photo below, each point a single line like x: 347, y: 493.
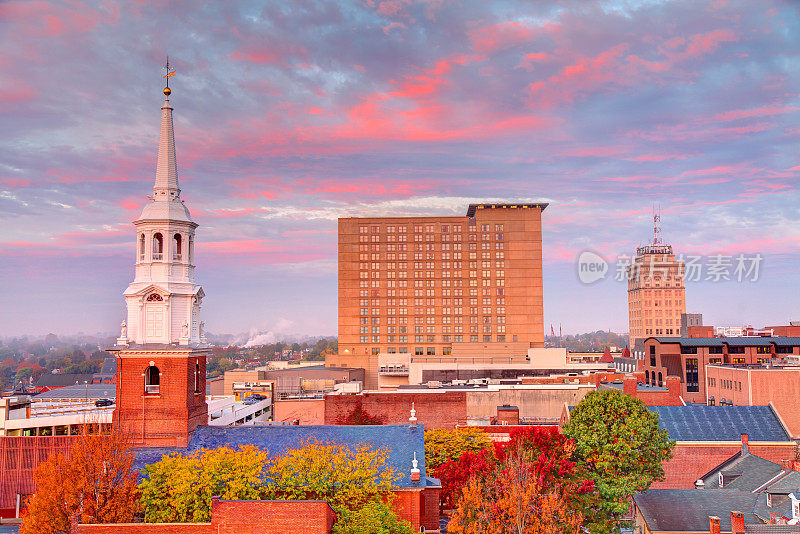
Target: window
x: 431, y: 351
x: 158, y: 246
x: 197, y: 377
x: 660, y: 380
x: 417, y: 351
x: 692, y: 385
x: 152, y: 380
x: 176, y: 247
x: 141, y: 247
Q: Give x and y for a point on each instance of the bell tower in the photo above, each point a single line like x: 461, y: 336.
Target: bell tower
x: 161, y: 352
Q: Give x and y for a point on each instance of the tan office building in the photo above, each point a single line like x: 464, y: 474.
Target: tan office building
x: 440, y: 287
x: 656, y: 293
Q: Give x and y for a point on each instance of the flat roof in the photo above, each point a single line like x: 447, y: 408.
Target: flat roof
x: 745, y: 341
x: 473, y: 207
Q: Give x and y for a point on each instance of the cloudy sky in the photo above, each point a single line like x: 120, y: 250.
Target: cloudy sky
x: 291, y: 115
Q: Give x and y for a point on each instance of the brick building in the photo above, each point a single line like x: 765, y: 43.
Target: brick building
x: 757, y: 385
x: 688, y: 357
x: 440, y: 286
x: 656, y: 290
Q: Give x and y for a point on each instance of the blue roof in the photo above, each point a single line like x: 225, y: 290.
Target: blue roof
x: 402, y: 441
x: 720, y: 423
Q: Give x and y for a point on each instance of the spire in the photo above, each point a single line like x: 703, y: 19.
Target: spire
x: 166, y: 186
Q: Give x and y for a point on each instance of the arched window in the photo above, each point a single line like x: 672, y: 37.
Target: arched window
x: 191, y: 249
x: 197, y: 377
x: 152, y: 380
x: 141, y: 247
x: 158, y: 246
x: 154, y: 297
x: 660, y: 380
x: 177, y: 248
x: 646, y: 376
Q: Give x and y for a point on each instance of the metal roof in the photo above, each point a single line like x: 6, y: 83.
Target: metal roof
x: 80, y: 391
x: 402, y: 441
x: 720, y: 423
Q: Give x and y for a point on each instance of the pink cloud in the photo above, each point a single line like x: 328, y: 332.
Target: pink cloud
x: 763, y: 111
x: 504, y: 35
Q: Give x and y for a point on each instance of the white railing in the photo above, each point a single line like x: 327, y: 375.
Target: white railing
x: 157, y: 256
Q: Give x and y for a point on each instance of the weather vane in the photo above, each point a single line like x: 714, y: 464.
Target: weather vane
x: 169, y: 73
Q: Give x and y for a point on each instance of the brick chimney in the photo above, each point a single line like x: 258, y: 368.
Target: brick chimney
x: 673, y: 384
x: 737, y: 523
x: 507, y: 415
x: 629, y: 385
x: 713, y: 525
x: 745, y: 442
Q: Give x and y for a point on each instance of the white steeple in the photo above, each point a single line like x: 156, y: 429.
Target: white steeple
x: 163, y: 301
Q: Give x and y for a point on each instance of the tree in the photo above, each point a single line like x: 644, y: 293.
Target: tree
x: 179, y: 488
x: 348, y: 478
x: 94, y: 480
x: 622, y: 446
x: 375, y: 517
x: 454, y: 474
x: 359, y: 416
x: 535, y: 488
x: 442, y: 445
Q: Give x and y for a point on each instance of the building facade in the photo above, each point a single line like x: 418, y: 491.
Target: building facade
x: 656, y: 293
x: 440, y: 286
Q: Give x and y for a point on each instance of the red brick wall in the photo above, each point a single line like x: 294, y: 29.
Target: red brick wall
x: 691, y: 461
x: 144, y: 528
x: 168, y: 418
x: 434, y: 410
x: 418, y: 507
x: 236, y: 517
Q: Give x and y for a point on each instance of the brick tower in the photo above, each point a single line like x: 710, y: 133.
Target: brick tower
x: 161, y: 352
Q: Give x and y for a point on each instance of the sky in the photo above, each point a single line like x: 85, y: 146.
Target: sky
x: 289, y: 115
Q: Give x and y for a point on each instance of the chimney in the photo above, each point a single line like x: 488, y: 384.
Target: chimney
x: 699, y: 484
x: 737, y: 523
x: 745, y: 441
x: 673, y: 384
x: 507, y: 415
x: 713, y: 524
x: 629, y: 385
x: 414, y: 469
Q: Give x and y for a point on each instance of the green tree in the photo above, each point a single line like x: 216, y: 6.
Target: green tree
x: 622, y: 446
x: 179, y: 488
x: 443, y: 445
x: 375, y: 517
x: 347, y: 477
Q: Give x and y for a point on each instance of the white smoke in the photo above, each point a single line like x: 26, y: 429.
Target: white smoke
x: 263, y: 336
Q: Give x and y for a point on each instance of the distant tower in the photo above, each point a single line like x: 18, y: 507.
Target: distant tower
x: 161, y: 357
x: 656, y: 290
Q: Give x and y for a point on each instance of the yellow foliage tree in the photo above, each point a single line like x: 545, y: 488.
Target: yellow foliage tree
x: 348, y: 478
x: 179, y: 488
x: 443, y: 445
x: 95, y: 480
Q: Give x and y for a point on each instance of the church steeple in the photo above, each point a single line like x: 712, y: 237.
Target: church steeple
x: 166, y: 186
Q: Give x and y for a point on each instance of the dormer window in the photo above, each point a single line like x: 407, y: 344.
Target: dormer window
x: 152, y: 380
x: 720, y: 480
x: 158, y: 247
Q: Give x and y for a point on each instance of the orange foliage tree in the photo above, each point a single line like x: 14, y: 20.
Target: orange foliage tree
x: 95, y: 481
x: 535, y: 487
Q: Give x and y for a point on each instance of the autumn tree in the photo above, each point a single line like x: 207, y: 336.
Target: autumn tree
x: 348, y: 478
x: 359, y: 416
x: 534, y: 488
x: 454, y: 474
x: 94, y: 480
x: 179, y: 488
x: 622, y: 446
x: 375, y: 517
x: 443, y: 445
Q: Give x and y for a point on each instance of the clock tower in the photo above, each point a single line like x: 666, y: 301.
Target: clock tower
x: 161, y: 352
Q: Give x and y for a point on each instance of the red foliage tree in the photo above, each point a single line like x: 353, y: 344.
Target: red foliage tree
x: 359, y: 416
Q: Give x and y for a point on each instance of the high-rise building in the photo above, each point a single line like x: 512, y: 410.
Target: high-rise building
x: 161, y: 356
x: 656, y: 290
x: 440, y: 287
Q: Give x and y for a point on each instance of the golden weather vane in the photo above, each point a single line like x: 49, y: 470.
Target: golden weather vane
x: 170, y: 72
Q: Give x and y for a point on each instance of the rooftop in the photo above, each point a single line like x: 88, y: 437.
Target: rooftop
x: 687, y: 510
x: 743, y: 471
x: 746, y: 341
x: 402, y: 441
x: 79, y: 391
x: 474, y: 207
x: 720, y: 423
